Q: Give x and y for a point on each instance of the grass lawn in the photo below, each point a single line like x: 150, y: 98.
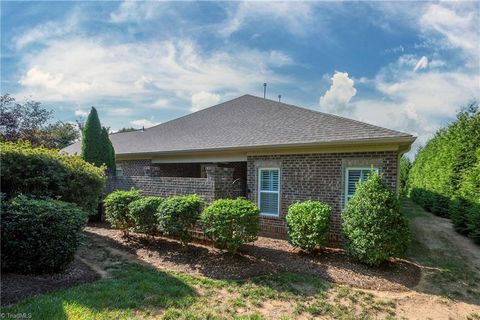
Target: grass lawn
x: 138, y: 291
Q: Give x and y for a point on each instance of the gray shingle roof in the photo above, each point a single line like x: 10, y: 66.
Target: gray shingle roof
x: 244, y: 122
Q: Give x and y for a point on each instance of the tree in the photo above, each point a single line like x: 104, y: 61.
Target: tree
x: 125, y: 129
x: 29, y: 121
x: 22, y: 120
x: 60, y: 135
x: 405, y: 165
x: 96, y: 145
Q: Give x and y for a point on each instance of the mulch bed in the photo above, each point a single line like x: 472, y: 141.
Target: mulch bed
x: 18, y: 286
x: 265, y: 256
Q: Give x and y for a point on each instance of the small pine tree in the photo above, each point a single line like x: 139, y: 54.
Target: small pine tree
x: 374, y: 225
x: 92, y: 148
x: 96, y: 145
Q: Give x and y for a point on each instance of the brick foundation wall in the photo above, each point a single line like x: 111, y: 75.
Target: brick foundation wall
x: 315, y: 177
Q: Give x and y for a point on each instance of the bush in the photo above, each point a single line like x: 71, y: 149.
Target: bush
x: 143, y: 214
x: 177, y: 215
x: 45, y: 173
x: 465, y: 208
x: 231, y: 223
x: 374, y: 226
x: 39, y: 236
x: 308, y: 224
x: 405, y: 166
x: 437, y: 171
x: 116, y: 209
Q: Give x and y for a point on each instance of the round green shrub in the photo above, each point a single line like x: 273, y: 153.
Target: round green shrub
x: 177, y: 216
x: 116, y: 209
x: 308, y: 224
x: 45, y: 173
x: 143, y: 214
x: 374, y: 227
x: 39, y: 236
x: 231, y: 222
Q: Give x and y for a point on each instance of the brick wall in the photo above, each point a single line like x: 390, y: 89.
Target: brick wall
x: 135, y: 167
x: 315, y: 177
x: 163, y: 186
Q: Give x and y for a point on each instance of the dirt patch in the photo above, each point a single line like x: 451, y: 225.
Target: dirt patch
x: 263, y: 257
x: 17, y: 286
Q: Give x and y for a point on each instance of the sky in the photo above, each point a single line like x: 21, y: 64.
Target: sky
x: 408, y: 66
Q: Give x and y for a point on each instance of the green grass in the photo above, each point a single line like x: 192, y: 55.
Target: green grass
x: 136, y: 291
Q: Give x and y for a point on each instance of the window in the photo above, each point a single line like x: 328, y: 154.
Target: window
x: 352, y: 176
x: 118, y: 170
x: 268, y: 191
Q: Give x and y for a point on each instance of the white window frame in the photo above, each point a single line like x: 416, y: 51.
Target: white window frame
x: 346, y: 178
x: 259, y: 187
x: 118, y: 168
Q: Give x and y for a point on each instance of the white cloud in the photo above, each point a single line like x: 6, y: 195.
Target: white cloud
x: 203, y: 99
x: 49, y: 30
x: 159, y: 104
x: 136, y: 11
x: 457, y: 23
x: 144, y: 123
x: 81, y: 113
x: 421, y: 64
x: 295, y: 17
x: 336, y: 99
x: 88, y: 70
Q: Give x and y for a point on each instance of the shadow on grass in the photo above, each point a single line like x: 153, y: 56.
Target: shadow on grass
x: 132, y: 287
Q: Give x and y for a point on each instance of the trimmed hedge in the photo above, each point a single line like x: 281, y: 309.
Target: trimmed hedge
x: 438, y: 170
x: 308, y: 224
x: 374, y: 227
x: 143, y: 214
x: 177, y: 216
x: 231, y: 222
x: 465, y: 207
x: 45, y: 173
x: 39, y: 236
x: 117, y: 211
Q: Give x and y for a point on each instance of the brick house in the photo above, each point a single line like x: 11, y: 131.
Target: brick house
x: 269, y: 152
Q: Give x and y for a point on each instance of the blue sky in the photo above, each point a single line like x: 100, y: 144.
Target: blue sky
x: 406, y: 66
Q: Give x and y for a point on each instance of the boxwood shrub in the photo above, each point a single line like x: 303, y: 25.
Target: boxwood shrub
x: 374, y: 227
x: 177, y: 216
x: 117, y: 211
x: 39, y: 236
x: 45, y: 173
x: 308, y: 224
x: 143, y: 214
x: 231, y: 222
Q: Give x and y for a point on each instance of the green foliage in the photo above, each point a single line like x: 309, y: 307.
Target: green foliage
x: 96, y: 145
x: 177, y: 215
x: 374, y: 227
x: 439, y: 167
x: 465, y: 207
x: 231, y: 222
x: 43, y: 172
x: 39, y: 236
x: 143, y: 214
x: 117, y: 211
x: 308, y: 224
x: 405, y: 166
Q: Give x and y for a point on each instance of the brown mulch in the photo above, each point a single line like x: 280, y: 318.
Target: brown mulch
x: 265, y: 256
x: 18, y: 286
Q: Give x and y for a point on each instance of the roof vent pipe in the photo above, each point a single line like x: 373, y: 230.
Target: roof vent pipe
x: 264, y: 90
